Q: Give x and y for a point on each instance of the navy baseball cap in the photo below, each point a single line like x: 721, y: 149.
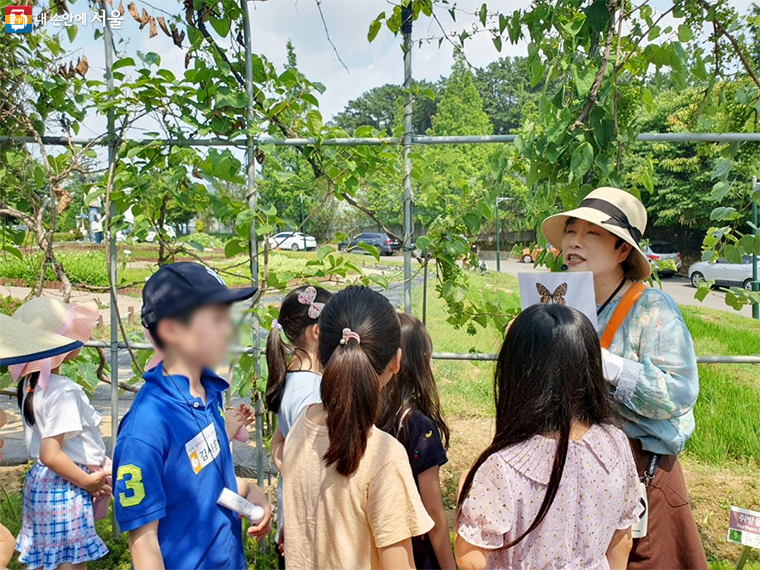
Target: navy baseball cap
x: 182, y: 286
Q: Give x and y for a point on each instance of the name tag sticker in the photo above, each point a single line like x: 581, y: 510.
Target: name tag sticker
x: 203, y: 448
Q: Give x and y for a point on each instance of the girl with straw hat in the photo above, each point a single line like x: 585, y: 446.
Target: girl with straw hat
x: 20, y: 343
x: 649, y: 362
x: 62, y: 434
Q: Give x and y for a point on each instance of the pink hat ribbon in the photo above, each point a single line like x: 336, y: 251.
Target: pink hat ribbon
x: 308, y: 297
x: 46, y: 365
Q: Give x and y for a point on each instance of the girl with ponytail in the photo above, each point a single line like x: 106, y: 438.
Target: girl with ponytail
x: 411, y: 412
x: 557, y: 487
x: 350, y: 497
x: 294, y: 368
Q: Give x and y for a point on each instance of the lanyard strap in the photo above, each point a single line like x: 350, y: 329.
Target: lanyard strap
x: 614, y: 294
x: 649, y: 473
x: 621, y: 312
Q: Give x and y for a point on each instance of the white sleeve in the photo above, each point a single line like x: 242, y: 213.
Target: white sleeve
x: 60, y: 413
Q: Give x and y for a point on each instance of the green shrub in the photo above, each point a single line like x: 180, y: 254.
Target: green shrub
x: 87, y: 267
x: 205, y: 240
x: 73, y: 235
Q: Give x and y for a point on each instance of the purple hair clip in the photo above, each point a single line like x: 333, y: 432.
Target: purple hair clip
x: 276, y: 325
x: 307, y: 297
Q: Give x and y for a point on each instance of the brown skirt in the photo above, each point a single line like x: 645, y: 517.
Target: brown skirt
x: 672, y: 541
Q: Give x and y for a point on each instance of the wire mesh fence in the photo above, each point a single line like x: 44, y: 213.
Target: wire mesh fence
x: 251, y: 144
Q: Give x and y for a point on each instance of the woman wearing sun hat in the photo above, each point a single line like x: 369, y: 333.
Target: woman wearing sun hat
x: 649, y: 362
x: 62, y: 434
x: 20, y: 343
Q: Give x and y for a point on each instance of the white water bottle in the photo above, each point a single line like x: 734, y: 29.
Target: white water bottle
x: 240, y: 505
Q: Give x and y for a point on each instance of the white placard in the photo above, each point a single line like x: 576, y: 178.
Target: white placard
x: 575, y: 290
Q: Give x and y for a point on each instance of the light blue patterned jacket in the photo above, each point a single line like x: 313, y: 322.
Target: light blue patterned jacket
x: 659, y: 384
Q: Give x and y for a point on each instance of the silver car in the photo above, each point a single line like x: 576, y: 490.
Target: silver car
x: 660, y: 254
x: 723, y: 273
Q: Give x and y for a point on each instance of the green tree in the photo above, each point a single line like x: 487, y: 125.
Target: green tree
x: 450, y: 172
x: 506, y: 91
x: 679, y: 192
x: 380, y: 107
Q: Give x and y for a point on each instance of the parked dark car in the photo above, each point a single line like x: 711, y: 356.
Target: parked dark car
x: 382, y: 241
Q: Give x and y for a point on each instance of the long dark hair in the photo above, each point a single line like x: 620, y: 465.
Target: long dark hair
x: 413, y: 387
x: 27, y: 406
x: 548, y: 375
x: 294, y: 319
x: 350, y: 380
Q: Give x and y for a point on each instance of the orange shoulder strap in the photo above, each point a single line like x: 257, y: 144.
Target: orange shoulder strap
x: 621, y: 312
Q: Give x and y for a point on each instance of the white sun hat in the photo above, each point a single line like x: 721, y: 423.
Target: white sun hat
x: 616, y: 211
x: 21, y: 343
x: 72, y: 320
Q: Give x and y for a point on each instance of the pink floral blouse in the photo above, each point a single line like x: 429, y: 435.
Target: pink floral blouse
x: 598, y: 495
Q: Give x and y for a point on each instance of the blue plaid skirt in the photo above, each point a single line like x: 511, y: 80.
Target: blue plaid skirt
x: 57, y: 524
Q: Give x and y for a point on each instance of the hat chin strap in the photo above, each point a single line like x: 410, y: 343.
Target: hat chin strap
x: 45, y: 372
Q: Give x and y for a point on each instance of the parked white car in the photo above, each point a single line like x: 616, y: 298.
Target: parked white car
x: 726, y: 274
x: 293, y: 241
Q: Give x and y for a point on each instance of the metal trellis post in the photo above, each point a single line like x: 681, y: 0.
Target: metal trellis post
x: 498, y: 239
x: 303, y: 223
x: 424, y: 289
x: 114, y: 352
x: 252, y: 194
x: 755, y: 284
x: 406, y: 28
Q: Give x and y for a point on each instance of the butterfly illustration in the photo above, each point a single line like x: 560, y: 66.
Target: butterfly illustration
x: 558, y: 297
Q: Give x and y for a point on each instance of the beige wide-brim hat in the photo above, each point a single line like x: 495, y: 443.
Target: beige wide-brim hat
x: 614, y: 210
x: 47, y: 315
x: 20, y: 343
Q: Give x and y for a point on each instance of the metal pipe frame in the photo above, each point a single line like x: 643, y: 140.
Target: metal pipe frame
x: 112, y: 253
x: 406, y: 27
x: 252, y: 195
x: 372, y: 141
x: 476, y: 356
x: 250, y: 143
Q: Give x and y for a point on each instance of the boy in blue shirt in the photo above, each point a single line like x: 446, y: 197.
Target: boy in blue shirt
x: 172, y: 455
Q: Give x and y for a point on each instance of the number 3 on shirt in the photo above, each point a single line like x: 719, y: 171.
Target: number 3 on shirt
x: 134, y: 484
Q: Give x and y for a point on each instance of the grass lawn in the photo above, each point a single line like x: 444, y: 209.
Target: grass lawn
x: 722, y: 460
x: 89, y: 267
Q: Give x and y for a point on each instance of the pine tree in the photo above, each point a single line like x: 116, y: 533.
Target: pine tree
x: 455, y: 169
x: 292, y: 58
x: 460, y: 110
